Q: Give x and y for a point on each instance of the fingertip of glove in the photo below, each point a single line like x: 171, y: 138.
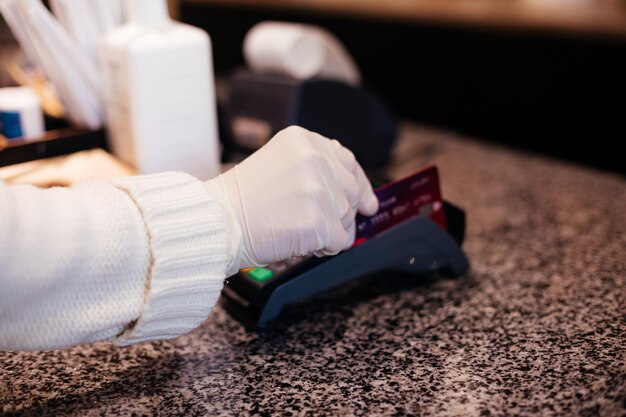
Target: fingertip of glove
x: 371, y: 206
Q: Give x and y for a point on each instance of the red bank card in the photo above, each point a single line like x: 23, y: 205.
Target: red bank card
x: 412, y: 196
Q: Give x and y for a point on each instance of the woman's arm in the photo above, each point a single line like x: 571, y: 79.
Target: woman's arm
x: 133, y: 259
x: 144, y: 258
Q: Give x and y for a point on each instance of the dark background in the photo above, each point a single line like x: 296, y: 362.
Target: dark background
x: 559, y: 94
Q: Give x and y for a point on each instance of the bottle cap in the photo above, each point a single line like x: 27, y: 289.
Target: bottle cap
x: 149, y: 13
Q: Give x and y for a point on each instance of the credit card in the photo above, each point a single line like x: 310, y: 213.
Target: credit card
x: 416, y: 195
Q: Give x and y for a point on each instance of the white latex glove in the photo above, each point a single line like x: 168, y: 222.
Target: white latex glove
x: 298, y: 194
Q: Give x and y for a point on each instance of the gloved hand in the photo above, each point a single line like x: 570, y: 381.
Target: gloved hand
x: 298, y: 194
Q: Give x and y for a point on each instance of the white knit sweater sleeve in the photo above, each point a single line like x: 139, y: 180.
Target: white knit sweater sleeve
x: 129, y: 260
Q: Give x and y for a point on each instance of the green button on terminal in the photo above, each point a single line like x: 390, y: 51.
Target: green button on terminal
x: 260, y: 274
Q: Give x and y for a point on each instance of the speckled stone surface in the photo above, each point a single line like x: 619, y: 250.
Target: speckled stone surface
x: 537, y: 328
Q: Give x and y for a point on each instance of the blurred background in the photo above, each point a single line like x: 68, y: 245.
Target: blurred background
x: 544, y: 75
x: 548, y: 76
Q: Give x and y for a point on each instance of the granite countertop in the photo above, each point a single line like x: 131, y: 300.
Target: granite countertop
x: 537, y: 327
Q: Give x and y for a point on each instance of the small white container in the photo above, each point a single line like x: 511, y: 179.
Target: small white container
x: 20, y: 113
x: 160, y: 94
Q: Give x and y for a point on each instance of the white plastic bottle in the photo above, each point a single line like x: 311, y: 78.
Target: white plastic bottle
x: 159, y: 91
x: 21, y: 116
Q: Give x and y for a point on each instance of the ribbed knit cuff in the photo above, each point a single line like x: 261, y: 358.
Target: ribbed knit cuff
x: 217, y: 188
x: 189, y: 254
